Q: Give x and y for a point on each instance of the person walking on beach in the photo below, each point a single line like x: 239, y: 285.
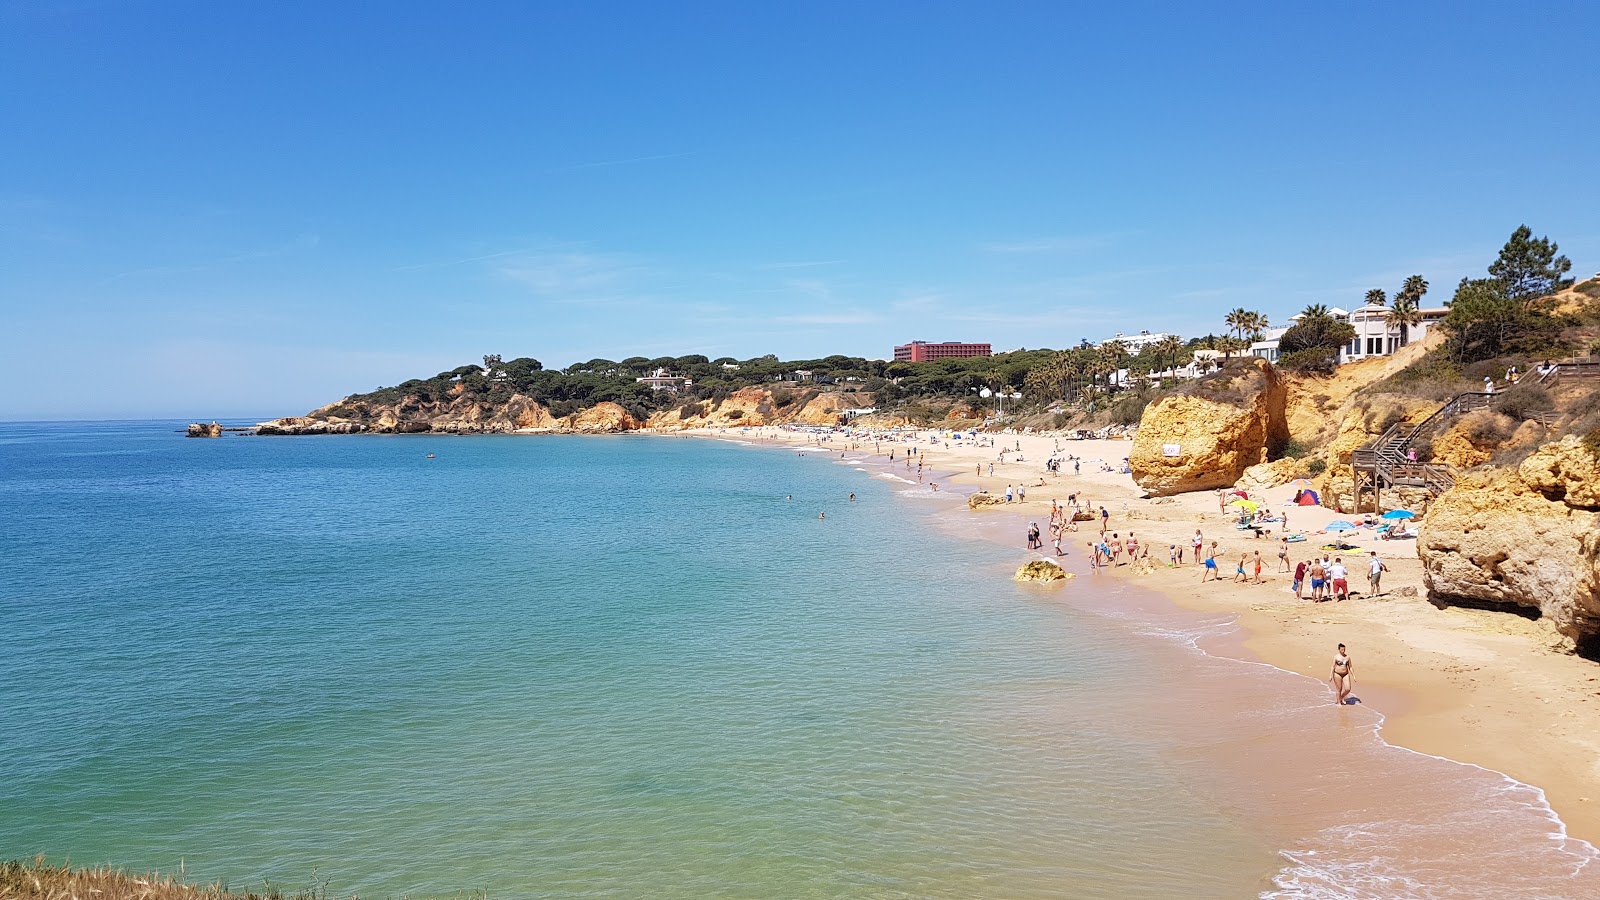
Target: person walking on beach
x: 1341, y: 583
x: 1211, y: 566
x: 1033, y: 537
x: 1341, y: 679
x: 1238, y: 573
x: 1299, y: 579
x: 1283, y: 553
x: 1258, y: 566
x: 1105, y: 519
x: 1318, y: 576
x: 1375, y: 572
x: 1197, y: 542
x: 1010, y: 494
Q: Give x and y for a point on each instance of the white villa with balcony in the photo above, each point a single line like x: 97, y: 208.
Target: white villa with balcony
x: 1374, y: 335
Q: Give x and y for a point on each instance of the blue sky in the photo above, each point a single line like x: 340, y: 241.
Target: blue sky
x: 251, y: 209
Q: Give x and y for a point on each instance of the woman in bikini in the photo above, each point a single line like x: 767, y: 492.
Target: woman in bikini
x: 1340, y: 680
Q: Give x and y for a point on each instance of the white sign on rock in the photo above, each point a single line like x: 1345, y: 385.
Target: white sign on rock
x: 1171, y: 450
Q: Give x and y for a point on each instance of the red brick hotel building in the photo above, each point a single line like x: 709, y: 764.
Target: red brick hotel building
x: 922, y: 351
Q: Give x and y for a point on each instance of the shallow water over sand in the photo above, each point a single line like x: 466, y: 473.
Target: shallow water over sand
x: 628, y: 666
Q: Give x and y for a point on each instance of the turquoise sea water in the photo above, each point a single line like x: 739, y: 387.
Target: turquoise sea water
x: 630, y: 666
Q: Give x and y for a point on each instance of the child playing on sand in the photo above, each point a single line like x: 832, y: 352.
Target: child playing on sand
x: 1172, y: 556
x: 1238, y: 573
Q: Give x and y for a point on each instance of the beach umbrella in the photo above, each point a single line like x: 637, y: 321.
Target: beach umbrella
x: 1341, y: 525
x: 1399, y: 514
x: 1301, y: 484
x: 1247, y: 504
x: 1241, y: 494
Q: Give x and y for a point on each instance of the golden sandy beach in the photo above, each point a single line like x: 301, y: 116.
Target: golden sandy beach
x: 1487, y: 688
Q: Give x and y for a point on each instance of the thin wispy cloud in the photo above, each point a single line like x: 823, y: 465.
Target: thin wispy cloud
x: 456, y: 262
x: 801, y: 265
x: 571, y: 276
x: 606, y: 163
x: 830, y: 318
x: 301, y: 242
x: 1057, y: 244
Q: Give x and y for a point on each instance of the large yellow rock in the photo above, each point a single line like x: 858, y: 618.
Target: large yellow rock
x: 1528, y: 537
x: 1041, y: 570
x: 1210, y: 432
x: 1262, y: 476
x: 1473, y: 439
x: 602, y: 418
x: 828, y: 409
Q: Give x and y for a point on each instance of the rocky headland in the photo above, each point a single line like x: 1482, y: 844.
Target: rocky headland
x: 518, y: 414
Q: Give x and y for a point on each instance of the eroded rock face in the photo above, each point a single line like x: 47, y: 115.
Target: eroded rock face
x: 980, y: 500
x: 293, y: 425
x: 602, y: 418
x: 1529, y: 537
x: 1262, y: 476
x: 1207, y: 436
x: 204, y: 429
x: 1041, y: 570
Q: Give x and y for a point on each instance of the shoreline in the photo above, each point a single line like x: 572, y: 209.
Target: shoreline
x: 1437, y: 677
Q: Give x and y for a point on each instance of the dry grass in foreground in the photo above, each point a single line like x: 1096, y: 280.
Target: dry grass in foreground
x: 40, y: 881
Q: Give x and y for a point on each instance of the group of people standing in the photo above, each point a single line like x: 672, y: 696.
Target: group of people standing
x: 1330, y: 578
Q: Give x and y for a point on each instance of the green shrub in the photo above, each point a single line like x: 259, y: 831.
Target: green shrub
x: 1128, y: 410
x: 1591, y: 443
x: 736, y: 414
x: 1315, y: 359
x: 1317, y: 466
x: 1523, y: 400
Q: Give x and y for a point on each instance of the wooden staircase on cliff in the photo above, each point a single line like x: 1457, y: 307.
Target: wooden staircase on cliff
x: 1386, y: 462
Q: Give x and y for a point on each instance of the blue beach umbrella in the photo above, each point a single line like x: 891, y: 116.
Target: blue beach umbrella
x: 1399, y: 514
x: 1341, y: 525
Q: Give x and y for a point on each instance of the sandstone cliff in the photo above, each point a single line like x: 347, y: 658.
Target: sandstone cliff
x: 459, y: 414
x: 1206, y: 435
x: 1527, y: 537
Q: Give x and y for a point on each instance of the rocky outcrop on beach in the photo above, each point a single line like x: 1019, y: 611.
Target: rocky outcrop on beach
x: 298, y: 425
x: 1207, y: 434
x: 602, y: 418
x: 1041, y: 571
x: 1525, y: 537
x: 982, y: 499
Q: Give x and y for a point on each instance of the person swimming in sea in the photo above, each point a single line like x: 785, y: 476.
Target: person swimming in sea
x: 1341, y: 680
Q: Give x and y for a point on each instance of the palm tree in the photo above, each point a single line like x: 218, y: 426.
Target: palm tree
x: 1258, y: 325
x: 1413, y: 289
x: 1112, y: 355
x: 1405, y: 315
x: 1167, y: 350
x: 1376, y: 297
x: 1315, y: 311
x: 1237, y: 320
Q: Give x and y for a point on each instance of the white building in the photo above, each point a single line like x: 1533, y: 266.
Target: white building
x: 1267, y: 347
x: 661, y: 381
x: 1136, y: 342
x: 1375, y: 336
